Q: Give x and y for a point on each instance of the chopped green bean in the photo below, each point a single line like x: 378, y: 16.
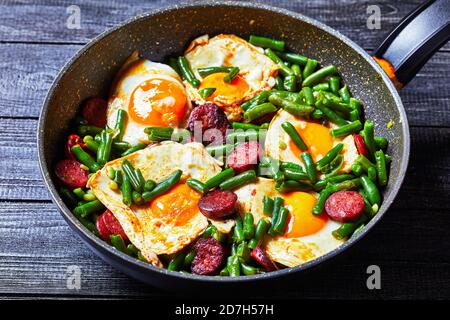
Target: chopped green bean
x: 310, y: 66
x: 234, y: 72
x: 196, y: 185
x: 239, y: 180
x: 329, y: 156
x: 259, y: 111
x: 347, y: 129
x: 88, y: 208
x: 264, y: 42
x: 284, y: 69
x: 163, y: 186
x: 309, y: 166
x: 216, y: 180
x: 318, y: 75
x: 133, y: 149
x: 187, y: 73
x: 85, y: 158
x: 206, y: 92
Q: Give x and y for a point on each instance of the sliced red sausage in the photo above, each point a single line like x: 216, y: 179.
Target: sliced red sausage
x: 72, y: 140
x: 344, y: 205
x: 94, y: 111
x: 244, y: 157
x: 209, y: 256
x: 260, y: 256
x: 113, y: 225
x: 218, y: 204
x: 209, y: 124
x: 102, y: 229
x: 360, y: 145
x: 70, y: 174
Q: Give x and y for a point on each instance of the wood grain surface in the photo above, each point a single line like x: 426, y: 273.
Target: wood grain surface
x: 36, y: 246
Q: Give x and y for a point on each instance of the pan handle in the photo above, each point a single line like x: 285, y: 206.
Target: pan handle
x: 412, y: 43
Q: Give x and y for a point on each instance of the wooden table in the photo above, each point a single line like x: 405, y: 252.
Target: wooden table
x: 411, y: 245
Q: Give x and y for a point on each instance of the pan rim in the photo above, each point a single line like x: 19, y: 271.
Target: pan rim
x: 99, y: 245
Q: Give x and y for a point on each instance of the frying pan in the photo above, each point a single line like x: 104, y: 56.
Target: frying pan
x: 165, y: 32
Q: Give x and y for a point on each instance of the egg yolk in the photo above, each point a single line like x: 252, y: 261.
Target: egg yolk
x: 317, y: 137
x: 178, y: 205
x: 301, y: 220
x: 158, y: 102
x: 236, y: 89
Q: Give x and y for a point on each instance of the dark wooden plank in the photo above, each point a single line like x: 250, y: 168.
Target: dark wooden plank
x: 46, y: 21
x: 41, y: 247
x: 23, y: 85
x: 21, y: 179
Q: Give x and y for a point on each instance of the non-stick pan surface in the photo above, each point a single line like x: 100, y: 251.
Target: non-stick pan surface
x: 166, y: 32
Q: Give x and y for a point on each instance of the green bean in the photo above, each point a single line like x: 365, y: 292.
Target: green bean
x: 338, y: 106
x: 84, y: 130
x: 284, y: 69
x: 381, y: 168
x: 347, y: 129
x: 293, y: 57
x: 348, y: 228
x: 335, y: 84
x: 309, y: 96
x: 210, y: 229
x: 173, y: 63
x: 68, y: 197
x: 294, y: 135
x: 79, y: 192
x: 234, y: 267
x: 320, y: 185
x: 259, y: 111
x: 355, y: 104
x: 278, y: 203
x: 295, y: 97
x: 243, y: 252
x: 196, y: 185
x: 340, y: 178
x: 247, y: 269
x: 388, y: 158
x: 88, y: 208
x: 280, y: 224
x: 221, y: 150
x: 324, y: 86
x: 335, y: 166
x: 216, y: 180
x: 330, y: 114
x: 310, y: 66
x: 345, y: 94
x: 118, y: 243
x: 177, y: 262
x: 133, y: 149
x: 249, y: 228
x: 129, y: 171
x: 206, y: 92
x: 120, y: 146
x: 259, y: 99
x: 318, y: 75
x: 309, y: 166
x: 293, y: 108
x: 290, y: 83
x: 364, y: 162
x: 297, y: 175
x: 293, y: 185
x: 159, y: 133
x: 239, y: 180
x: 105, y: 148
x: 381, y: 143
x: 273, y: 168
x: 126, y: 191
x: 357, y: 169
x: 268, y: 205
x: 246, y: 135
x: 238, y: 232
x: 85, y: 158
x: 189, y: 258
x: 297, y: 72
x: 187, y: 73
x: 329, y: 156
x: 89, y: 196
x: 140, y: 177
x: 244, y: 126
x: 264, y: 42
x: 262, y: 227
x: 120, y: 124
x: 224, y: 272
x: 219, y: 236
x: 206, y: 71
x: 369, y: 137
x: 372, y: 174
x: 118, y: 178
x: 163, y: 186
x: 290, y: 165
x: 91, y: 144
x: 354, y: 115
x: 317, y: 114
x: 111, y: 173
x: 234, y: 72
x: 131, y: 248
x: 373, y: 194
x: 279, y: 83
x: 137, y: 198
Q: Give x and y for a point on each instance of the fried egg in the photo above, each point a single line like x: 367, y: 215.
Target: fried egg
x: 152, y: 94
x: 171, y: 221
x: 257, y: 72
x: 306, y: 236
x: 316, y: 136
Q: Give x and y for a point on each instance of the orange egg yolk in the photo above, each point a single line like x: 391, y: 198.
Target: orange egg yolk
x: 236, y: 89
x: 178, y: 205
x: 317, y: 137
x: 158, y: 102
x: 301, y: 221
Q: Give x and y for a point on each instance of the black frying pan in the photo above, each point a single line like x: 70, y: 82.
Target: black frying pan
x: 165, y: 32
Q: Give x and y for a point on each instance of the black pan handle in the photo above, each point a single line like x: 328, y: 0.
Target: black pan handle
x: 418, y: 36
